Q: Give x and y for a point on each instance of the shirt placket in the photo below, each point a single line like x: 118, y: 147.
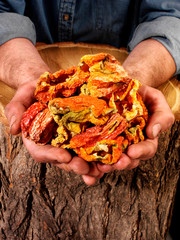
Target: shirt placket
x: 65, y: 24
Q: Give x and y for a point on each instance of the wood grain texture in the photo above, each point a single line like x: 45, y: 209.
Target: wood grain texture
x: 64, y: 55
x: 40, y: 201
x: 171, y: 90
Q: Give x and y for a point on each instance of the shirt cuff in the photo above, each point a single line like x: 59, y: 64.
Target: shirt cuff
x: 164, y: 29
x: 13, y: 25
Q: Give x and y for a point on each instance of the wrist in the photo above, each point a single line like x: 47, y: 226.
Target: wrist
x: 150, y: 63
x: 20, y: 62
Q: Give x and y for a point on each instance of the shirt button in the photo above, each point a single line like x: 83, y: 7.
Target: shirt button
x: 66, y: 17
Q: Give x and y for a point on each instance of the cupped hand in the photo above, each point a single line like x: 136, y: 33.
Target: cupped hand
x: 63, y: 159
x: 59, y: 157
x: 160, y: 119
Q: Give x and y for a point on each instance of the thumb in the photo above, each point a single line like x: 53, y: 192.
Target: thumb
x: 160, y: 114
x: 22, y: 99
x: 14, y: 111
x: 159, y: 122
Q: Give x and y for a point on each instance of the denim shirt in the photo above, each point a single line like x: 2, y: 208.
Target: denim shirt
x: 120, y: 23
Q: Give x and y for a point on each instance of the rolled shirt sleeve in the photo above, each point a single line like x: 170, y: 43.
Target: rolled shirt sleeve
x: 162, y: 25
x: 13, y: 25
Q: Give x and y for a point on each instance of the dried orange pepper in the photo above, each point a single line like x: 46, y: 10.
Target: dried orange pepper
x: 94, y: 109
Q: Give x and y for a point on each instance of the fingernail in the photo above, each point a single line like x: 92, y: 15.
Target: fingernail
x: 12, y: 121
x: 156, y: 130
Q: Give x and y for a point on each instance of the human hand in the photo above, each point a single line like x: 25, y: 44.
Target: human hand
x: 20, y: 69
x: 160, y: 119
x: 59, y: 157
x: 145, y: 64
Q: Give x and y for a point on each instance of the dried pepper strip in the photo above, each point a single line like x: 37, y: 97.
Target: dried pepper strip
x: 101, y: 139
x: 134, y: 131
x: 74, y: 114
x: 114, y: 127
x: 37, y: 123
x: 94, y: 109
x: 106, y: 75
x: 111, y: 149
x: 41, y: 129
x: 29, y: 115
x: 79, y: 103
x: 63, y: 83
x: 47, y: 84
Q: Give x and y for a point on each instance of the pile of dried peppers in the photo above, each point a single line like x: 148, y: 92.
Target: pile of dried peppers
x: 94, y: 109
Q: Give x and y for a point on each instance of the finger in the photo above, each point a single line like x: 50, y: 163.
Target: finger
x: 46, y: 153
x: 104, y: 168
x: 18, y: 105
x: 123, y: 163
x: 100, y: 175
x: 14, y: 111
x: 89, y: 180
x: 94, y: 171
x: 134, y: 164
x: 143, y: 150
x: 79, y: 166
x: 161, y: 115
x: 92, y: 175
x: 81, y: 169
x: 63, y: 166
x: 158, y: 122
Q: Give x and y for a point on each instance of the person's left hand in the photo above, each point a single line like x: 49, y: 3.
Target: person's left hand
x: 160, y: 119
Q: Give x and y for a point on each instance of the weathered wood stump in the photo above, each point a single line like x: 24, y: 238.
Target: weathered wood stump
x: 40, y: 201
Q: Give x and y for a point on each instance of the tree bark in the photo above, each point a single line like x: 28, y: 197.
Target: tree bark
x: 40, y: 201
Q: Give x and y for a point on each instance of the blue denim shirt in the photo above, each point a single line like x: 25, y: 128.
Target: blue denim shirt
x: 120, y: 23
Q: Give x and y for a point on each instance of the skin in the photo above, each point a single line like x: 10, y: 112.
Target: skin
x: 21, y: 66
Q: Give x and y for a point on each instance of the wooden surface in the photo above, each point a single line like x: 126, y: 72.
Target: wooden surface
x: 40, y: 201
x: 171, y: 90
x: 64, y: 55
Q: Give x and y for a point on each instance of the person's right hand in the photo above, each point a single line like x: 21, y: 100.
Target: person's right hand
x: 60, y: 157
x: 20, y: 69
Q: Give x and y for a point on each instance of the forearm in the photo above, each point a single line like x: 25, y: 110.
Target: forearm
x: 20, y: 62
x: 150, y: 63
